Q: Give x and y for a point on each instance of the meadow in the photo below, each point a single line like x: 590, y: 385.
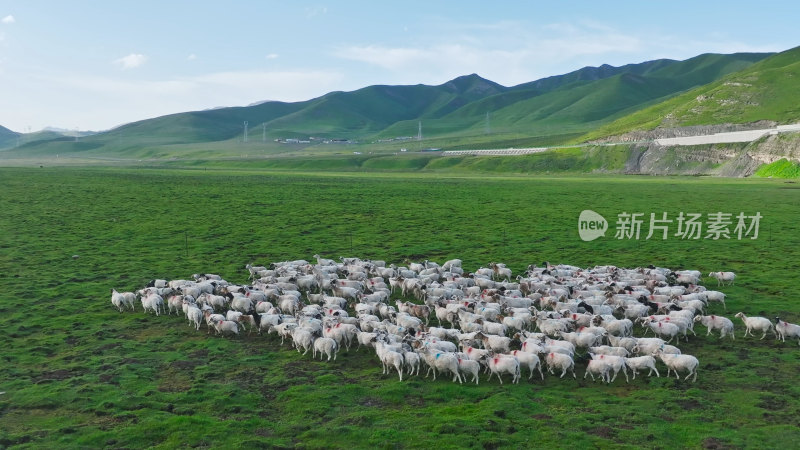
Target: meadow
x: 77, y: 373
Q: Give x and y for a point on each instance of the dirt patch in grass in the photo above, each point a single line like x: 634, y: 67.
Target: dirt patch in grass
x: 689, y: 404
x: 202, y: 353
x: 109, y: 346
x: 188, y: 364
x: 715, y: 443
x: 56, y: 375
x: 603, y: 432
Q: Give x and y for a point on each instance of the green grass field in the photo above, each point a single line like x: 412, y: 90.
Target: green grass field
x: 76, y: 373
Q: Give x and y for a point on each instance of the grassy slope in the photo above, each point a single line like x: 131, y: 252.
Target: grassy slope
x: 8, y: 138
x: 77, y: 373
x: 781, y: 168
x: 764, y: 91
x: 581, y: 100
x: 453, y: 113
x: 585, y: 106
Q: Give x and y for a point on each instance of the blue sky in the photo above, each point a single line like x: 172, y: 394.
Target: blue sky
x: 98, y: 64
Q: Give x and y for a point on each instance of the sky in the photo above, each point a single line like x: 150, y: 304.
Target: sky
x: 94, y: 65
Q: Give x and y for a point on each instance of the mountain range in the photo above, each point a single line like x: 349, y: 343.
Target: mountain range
x: 469, y: 111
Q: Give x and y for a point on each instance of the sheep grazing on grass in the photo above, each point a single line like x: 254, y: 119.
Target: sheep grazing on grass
x: 756, y: 323
x: 347, y: 298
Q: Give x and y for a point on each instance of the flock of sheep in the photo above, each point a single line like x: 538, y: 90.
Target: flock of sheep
x: 495, y: 323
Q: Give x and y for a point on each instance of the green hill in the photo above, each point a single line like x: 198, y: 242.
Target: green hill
x: 766, y: 90
x: 468, y: 110
x: 8, y: 138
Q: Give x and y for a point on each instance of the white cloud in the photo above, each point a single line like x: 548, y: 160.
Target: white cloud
x: 131, y: 61
x: 191, y: 57
x: 315, y: 11
x: 8, y: 19
x: 507, y: 52
x: 272, y: 56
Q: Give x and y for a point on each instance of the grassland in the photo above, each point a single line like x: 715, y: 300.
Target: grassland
x: 76, y: 373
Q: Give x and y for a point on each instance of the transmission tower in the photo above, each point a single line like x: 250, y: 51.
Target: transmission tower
x: 245, y: 132
x: 419, y: 132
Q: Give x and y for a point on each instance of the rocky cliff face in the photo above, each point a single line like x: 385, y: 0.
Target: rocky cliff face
x: 729, y: 160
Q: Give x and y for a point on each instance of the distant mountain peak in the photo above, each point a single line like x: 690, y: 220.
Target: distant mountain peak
x: 473, y: 83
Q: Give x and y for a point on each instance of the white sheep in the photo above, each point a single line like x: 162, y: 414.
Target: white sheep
x: 302, y: 337
x: 615, y: 364
x: 756, y: 323
x: 560, y: 361
x: 598, y: 367
x: 494, y: 343
x: 499, y: 364
x: 722, y: 277
x: 715, y: 296
x: 342, y: 333
x: 195, y: 316
x: 628, y: 343
x: 153, y: 302
x: 268, y: 322
x: 640, y: 363
x: 120, y: 300
x: 582, y: 340
x: 469, y: 366
x: 685, y: 363
x: 785, y: 329
x: 226, y: 326
x: 529, y: 360
x: 713, y: 322
x: 325, y: 346
x: 412, y: 362
x: 441, y: 361
x: 240, y: 303
x: 606, y: 350
x: 664, y: 329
